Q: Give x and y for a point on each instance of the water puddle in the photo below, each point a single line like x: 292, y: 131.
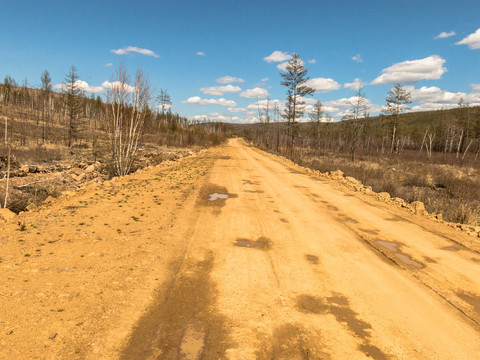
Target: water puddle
x: 476, y: 260
x: 407, y: 260
x: 351, y: 221
x: 395, y: 218
x: 247, y: 183
x: 254, y: 191
x: 284, y: 220
x: 450, y: 248
x: 331, y: 207
x: 312, y: 259
x: 217, y: 196
x: 261, y: 243
x: 277, y: 211
x: 389, y: 245
x: 429, y: 259
x: 192, y: 344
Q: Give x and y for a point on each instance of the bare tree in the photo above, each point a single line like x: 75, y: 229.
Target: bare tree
x: 46, y: 89
x: 359, y: 109
x: 294, y: 79
x: 397, y: 98
x: 316, y: 115
x: 128, y: 109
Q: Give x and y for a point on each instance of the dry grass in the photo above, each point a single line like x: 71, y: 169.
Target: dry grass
x: 451, y: 190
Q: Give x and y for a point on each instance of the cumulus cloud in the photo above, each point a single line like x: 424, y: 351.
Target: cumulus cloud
x: 229, y: 79
x: 357, y: 58
x: 323, y: 85
x: 199, y: 101
x: 444, y: 35
x: 118, y: 84
x: 412, y: 71
x: 255, y: 93
x: 475, y: 87
x: 130, y: 49
x: 220, y: 90
x: 434, y: 94
x: 277, y: 56
x: 82, y: 85
x: 200, y: 53
x: 355, y: 85
x: 472, y: 40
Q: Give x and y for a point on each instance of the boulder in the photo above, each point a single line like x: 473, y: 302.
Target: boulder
x: 384, y: 195
x: 337, y: 173
x: 90, y: 169
x: 419, y: 208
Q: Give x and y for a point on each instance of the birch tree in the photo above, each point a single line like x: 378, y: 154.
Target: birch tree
x: 128, y: 106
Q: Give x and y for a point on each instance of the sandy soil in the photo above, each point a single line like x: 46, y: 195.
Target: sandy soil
x: 289, y: 266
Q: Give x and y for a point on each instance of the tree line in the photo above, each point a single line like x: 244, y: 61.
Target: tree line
x: 130, y: 112
x: 454, y: 131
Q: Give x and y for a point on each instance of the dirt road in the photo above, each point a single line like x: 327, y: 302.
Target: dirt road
x: 289, y: 266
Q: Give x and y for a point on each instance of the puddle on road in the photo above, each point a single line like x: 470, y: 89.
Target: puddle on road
x: 277, y: 211
x: 389, y: 245
x: 312, y: 259
x: 407, y: 260
x: 476, y: 260
x: 262, y: 243
x: 393, y: 247
x: 247, y: 183
x: 450, y: 248
x: 395, y: 218
x: 217, y: 196
x: 351, y: 221
x: 331, y: 207
x: 254, y: 191
x: 284, y: 220
x: 192, y: 344
x: 429, y: 259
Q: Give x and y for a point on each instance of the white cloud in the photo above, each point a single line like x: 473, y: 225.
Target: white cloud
x: 412, y: 71
x: 164, y: 107
x: 108, y: 64
x: 82, y: 85
x: 255, y: 93
x: 434, y: 94
x: 312, y: 61
x: 263, y: 103
x: 229, y: 79
x: 355, y: 85
x: 220, y: 90
x: 475, y: 87
x: 357, y: 58
x: 135, y: 49
x: 265, y: 79
x: 200, y: 53
x: 277, y: 56
x: 114, y: 84
x: 237, y: 109
x: 444, y: 35
x: 472, y: 40
x: 432, y: 106
x: 199, y: 101
x: 323, y: 85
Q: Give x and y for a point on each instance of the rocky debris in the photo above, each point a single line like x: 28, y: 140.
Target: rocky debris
x: 338, y: 174
x: 419, y: 208
x: 7, y: 215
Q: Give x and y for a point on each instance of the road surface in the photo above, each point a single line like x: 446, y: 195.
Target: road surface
x: 287, y: 267
x: 235, y: 254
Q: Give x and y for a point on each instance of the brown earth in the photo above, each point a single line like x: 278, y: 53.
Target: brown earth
x: 291, y: 265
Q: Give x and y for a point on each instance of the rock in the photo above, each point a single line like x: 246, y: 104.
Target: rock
x: 90, y: 169
x: 438, y: 216
x: 31, y: 207
x: 384, y: 195
x: 32, y: 169
x: 52, y: 336
x: 24, y: 168
x: 337, y: 173
x: 419, y: 208
x: 399, y: 200
x: 7, y: 215
x: 352, y: 180
x: 81, y: 177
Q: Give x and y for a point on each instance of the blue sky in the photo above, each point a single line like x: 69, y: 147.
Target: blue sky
x: 189, y: 48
